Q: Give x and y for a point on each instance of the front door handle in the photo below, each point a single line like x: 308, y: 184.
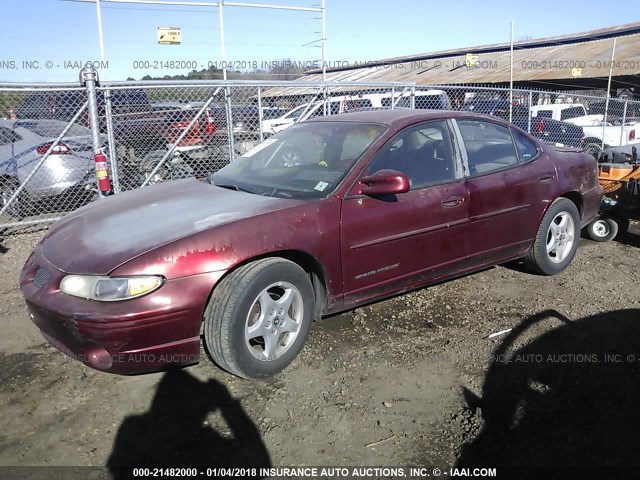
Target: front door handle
x: 452, y: 201
x: 545, y: 177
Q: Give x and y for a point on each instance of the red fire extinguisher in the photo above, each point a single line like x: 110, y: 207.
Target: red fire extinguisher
x: 102, y: 174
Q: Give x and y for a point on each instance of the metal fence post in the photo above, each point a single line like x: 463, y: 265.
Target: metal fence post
x: 89, y: 76
x: 229, y: 115
x: 624, y: 120
x: 113, y: 156
x: 393, y: 96
x: 529, y: 111
x: 325, y: 96
x: 260, y: 117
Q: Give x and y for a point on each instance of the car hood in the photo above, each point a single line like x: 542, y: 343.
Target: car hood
x: 99, y: 237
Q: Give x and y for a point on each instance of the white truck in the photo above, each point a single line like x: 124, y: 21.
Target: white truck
x: 598, y: 133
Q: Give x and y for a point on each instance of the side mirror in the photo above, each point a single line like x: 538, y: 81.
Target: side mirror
x: 384, y: 182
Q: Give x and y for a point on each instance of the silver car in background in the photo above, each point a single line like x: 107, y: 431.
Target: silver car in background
x: 68, y: 169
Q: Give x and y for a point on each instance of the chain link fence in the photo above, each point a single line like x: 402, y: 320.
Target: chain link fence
x: 158, y: 131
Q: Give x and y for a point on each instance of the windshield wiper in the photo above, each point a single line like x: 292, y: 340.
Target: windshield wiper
x: 233, y: 187
x: 280, y: 193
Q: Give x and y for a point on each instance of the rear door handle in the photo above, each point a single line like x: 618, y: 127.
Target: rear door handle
x: 452, y: 201
x: 545, y: 177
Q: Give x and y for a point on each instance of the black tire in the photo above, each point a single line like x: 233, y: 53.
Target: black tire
x: 173, y: 168
x: 602, y: 229
x: 593, y: 146
x: 623, y: 223
x: 227, y: 317
x: 20, y: 206
x: 142, y: 145
x: 288, y: 156
x: 538, y: 259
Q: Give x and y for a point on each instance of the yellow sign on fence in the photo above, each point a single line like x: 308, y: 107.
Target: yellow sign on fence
x: 169, y: 35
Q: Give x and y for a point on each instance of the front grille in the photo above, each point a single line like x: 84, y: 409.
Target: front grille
x: 41, y: 277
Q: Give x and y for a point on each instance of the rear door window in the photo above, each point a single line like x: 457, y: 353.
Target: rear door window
x: 489, y: 146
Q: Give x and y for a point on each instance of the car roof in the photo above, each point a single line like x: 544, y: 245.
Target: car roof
x: 400, y: 117
x: 24, y: 126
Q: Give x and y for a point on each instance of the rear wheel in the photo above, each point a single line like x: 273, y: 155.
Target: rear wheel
x: 602, y: 229
x: 17, y: 207
x: 557, y: 240
x: 259, y: 317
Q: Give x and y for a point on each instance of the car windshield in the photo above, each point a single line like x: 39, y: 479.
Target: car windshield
x: 52, y: 128
x: 307, y: 160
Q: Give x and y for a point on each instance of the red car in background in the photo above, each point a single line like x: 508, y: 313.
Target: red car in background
x: 320, y: 218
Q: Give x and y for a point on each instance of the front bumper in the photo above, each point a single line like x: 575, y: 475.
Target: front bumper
x: 132, y: 336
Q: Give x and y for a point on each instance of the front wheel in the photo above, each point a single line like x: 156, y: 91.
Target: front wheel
x: 602, y: 229
x: 557, y: 239
x: 259, y: 317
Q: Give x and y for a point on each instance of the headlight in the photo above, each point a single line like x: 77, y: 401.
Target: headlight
x: 108, y: 289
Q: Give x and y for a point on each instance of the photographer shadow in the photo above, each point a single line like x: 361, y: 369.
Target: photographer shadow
x: 568, y: 398
x: 173, y: 433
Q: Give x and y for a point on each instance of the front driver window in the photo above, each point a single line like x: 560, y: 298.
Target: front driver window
x: 423, y: 153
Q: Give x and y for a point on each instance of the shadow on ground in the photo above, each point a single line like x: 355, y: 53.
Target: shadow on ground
x: 173, y: 433
x: 570, y: 397
x: 631, y: 238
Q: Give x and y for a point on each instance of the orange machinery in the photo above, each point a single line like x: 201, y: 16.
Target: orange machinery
x: 619, y: 177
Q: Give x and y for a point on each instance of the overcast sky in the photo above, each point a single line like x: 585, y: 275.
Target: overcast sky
x: 64, y: 33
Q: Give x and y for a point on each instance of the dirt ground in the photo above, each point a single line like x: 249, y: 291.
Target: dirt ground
x: 413, y: 380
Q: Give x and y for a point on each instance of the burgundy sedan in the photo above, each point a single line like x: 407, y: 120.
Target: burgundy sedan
x: 320, y: 218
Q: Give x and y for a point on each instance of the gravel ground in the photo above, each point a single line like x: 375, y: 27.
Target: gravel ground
x: 413, y: 380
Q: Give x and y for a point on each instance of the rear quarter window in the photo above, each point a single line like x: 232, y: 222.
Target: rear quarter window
x: 527, y: 150
x: 489, y: 146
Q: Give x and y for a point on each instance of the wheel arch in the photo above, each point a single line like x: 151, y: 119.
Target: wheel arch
x: 572, y: 196
x: 576, y: 198
x: 309, y: 263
